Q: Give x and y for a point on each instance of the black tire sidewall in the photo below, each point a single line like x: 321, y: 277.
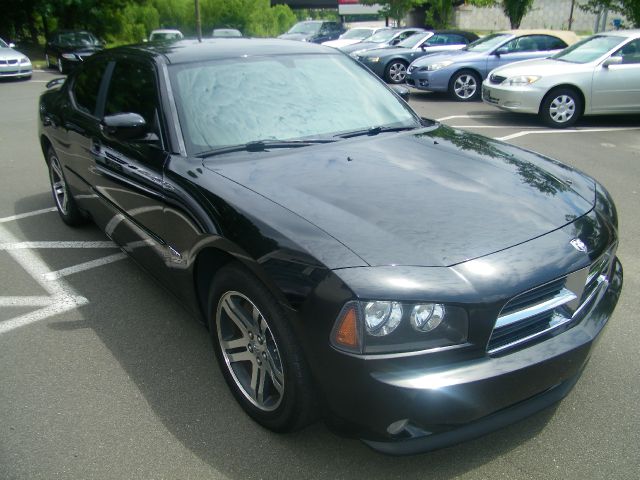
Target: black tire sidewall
x: 73, y: 216
x: 452, y: 82
x: 546, y: 103
x: 294, y: 409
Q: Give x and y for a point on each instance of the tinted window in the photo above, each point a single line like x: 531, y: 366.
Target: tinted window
x: 453, y: 39
x: 132, y: 89
x: 527, y: 43
x: 630, y: 53
x: 87, y: 84
x: 546, y: 42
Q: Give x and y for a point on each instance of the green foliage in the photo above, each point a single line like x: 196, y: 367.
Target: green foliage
x: 439, y: 13
x: 628, y: 8
x: 515, y: 10
x: 126, y: 21
x: 396, y: 9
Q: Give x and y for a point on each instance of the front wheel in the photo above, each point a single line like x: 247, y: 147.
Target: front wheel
x: 257, y: 352
x: 65, y: 203
x: 396, y: 72
x: 465, y: 86
x: 561, y: 108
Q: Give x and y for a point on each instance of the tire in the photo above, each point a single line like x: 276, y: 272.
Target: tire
x: 396, y: 72
x: 561, y: 108
x: 60, y: 66
x: 47, y: 60
x: 465, y: 86
x: 65, y: 203
x: 257, y: 352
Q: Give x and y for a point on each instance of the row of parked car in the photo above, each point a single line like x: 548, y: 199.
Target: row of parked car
x: 549, y: 73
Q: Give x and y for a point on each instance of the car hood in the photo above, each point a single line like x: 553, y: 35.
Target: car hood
x: 10, y: 54
x: 452, y: 55
x: 542, y: 67
x: 340, y: 42
x: 428, y: 197
x: 361, y: 46
x: 295, y: 36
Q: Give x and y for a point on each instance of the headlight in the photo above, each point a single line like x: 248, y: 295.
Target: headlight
x: 435, y: 66
x: 383, y: 326
x: 373, y: 59
x: 24, y: 61
x: 69, y: 56
x: 521, y: 80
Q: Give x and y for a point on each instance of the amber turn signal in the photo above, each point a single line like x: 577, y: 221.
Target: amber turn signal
x: 345, y: 333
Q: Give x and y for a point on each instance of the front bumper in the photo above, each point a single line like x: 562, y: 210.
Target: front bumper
x: 434, y: 81
x: 513, y: 99
x: 412, y: 410
x: 16, y: 70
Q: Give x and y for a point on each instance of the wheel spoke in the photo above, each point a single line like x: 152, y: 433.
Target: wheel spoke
x: 237, y: 316
x: 243, y: 356
x: 258, y: 377
x: 241, y: 342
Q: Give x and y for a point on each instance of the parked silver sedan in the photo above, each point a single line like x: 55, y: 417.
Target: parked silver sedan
x: 13, y: 63
x: 598, y: 75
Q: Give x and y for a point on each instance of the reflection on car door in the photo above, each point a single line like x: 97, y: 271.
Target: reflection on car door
x: 523, y: 48
x: 616, y: 88
x: 127, y: 174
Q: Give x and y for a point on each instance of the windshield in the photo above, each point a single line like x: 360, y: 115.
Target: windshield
x: 487, y: 43
x: 357, y: 33
x: 3, y: 44
x: 165, y: 36
x: 305, y: 27
x: 286, y: 97
x: 77, y: 38
x: 589, y: 49
x: 414, y: 40
x: 382, y: 36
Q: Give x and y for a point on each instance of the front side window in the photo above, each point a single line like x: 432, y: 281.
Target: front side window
x: 86, y: 85
x: 284, y: 97
x: 133, y: 90
x: 630, y: 53
x: 357, y: 33
x: 487, y: 43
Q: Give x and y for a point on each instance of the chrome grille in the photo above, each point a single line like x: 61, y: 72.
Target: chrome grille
x: 539, y: 311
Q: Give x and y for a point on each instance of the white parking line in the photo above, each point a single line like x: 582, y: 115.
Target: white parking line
x: 84, y: 266
x: 24, y: 301
x: 26, y: 215
x: 546, y: 132
x: 450, y: 117
x: 48, y: 245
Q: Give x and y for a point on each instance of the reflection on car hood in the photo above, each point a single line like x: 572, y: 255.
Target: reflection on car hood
x: 80, y: 49
x: 295, y: 36
x: 10, y: 54
x: 453, y: 55
x: 543, y: 67
x: 430, y: 197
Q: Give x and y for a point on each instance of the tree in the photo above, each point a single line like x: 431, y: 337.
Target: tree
x: 515, y: 10
x: 628, y: 8
x: 396, y: 9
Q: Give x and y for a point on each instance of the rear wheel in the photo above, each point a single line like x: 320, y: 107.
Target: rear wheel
x: 464, y: 86
x: 61, y: 68
x: 259, y: 357
x: 396, y: 72
x: 65, y: 203
x: 47, y: 60
x: 561, y: 108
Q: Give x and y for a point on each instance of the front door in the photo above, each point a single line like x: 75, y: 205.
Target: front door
x: 616, y: 88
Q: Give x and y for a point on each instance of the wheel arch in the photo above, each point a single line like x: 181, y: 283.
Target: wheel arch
x: 45, y: 144
x: 569, y: 86
x: 465, y: 68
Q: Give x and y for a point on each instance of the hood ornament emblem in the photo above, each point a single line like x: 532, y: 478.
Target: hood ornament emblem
x: 578, y: 245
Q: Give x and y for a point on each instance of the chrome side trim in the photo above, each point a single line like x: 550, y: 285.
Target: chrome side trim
x: 563, y: 297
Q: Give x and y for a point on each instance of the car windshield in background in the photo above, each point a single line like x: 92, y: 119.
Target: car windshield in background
x: 236, y: 101
x: 305, y: 27
x: 487, y: 43
x: 382, y: 36
x: 77, y: 38
x: 357, y: 33
x: 3, y: 44
x: 165, y: 36
x: 589, y: 49
x: 413, y: 40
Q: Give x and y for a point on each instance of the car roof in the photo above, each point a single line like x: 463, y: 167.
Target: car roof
x: 567, y: 36
x: 191, y: 50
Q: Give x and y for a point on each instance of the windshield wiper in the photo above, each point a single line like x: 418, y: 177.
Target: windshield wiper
x: 263, y: 146
x: 374, y: 131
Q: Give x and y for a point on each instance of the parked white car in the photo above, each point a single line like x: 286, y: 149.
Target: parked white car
x: 353, y: 35
x: 597, y: 76
x: 13, y: 63
x: 165, y: 34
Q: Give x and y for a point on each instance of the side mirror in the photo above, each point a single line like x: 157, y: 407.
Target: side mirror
x: 612, y: 61
x: 124, y: 126
x: 500, y: 51
x: 12, y: 45
x: 403, y: 92
x: 395, y: 41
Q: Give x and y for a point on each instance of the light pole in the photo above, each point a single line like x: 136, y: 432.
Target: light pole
x: 198, y: 22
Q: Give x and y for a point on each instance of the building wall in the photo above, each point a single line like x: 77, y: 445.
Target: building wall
x: 552, y: 14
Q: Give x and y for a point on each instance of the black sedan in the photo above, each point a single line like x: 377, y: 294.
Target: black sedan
x: 67, y: 48
x: 416, y: 284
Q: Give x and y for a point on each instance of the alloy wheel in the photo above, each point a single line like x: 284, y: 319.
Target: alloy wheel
x: 562, y: 108
x: 465, y: 86
x: 250, y: 351
x: 397, y: 72
x: 59, y: 186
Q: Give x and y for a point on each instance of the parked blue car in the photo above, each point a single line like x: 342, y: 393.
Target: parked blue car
x: 461, y: 72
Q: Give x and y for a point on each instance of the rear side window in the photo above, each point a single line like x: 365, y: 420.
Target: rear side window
x: 547, y: 42
x: 87, y: 85
x: 454, y: 39
x: 133, y: 90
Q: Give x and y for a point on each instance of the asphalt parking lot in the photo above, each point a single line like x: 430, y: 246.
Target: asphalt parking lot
x: 104, y: 375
